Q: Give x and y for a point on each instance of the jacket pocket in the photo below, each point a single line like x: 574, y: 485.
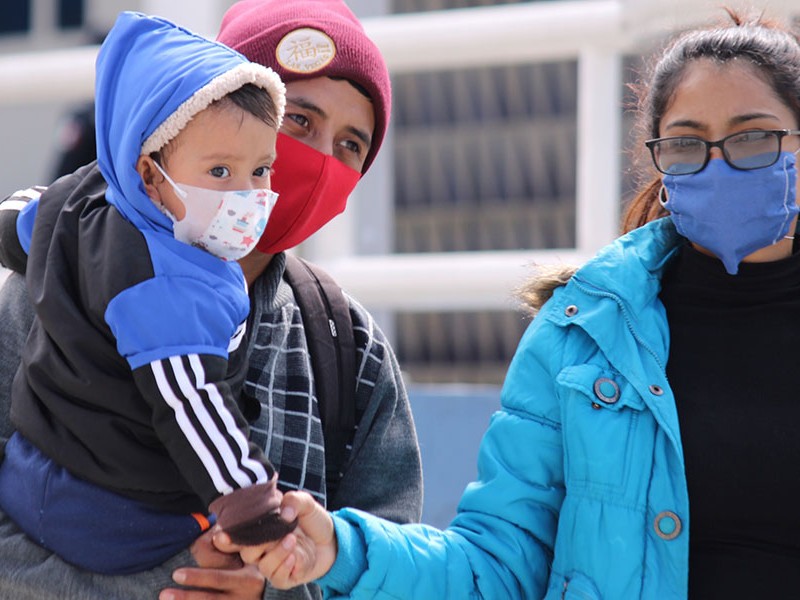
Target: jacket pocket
x: 600, y: 414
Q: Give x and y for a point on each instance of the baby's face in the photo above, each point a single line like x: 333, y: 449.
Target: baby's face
x: 221, y: 148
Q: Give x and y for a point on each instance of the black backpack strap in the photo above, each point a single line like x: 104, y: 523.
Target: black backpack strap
x: 329, y: 333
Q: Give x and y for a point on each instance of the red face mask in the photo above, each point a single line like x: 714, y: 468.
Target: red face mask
x: 312, y: 187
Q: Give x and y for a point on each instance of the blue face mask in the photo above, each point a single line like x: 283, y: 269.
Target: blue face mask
x: 733, y: 213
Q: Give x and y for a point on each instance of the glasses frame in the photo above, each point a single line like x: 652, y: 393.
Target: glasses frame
x: 720, y: 143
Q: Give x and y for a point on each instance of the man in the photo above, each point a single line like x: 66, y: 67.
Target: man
x: 338, y: 105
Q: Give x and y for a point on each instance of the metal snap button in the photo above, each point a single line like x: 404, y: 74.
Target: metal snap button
x: 656, y: 390
x: 571, y: 310
x: 606, y: 390
x: 667, y: 525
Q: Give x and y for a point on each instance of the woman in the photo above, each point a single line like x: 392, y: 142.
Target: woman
x: 646, y: 435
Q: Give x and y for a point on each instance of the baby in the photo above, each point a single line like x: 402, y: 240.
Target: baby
x: 130, y: 428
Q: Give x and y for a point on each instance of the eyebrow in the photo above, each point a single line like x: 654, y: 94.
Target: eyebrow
x: 310, y: 106
x: 362, y: 135
x: 737, y: 120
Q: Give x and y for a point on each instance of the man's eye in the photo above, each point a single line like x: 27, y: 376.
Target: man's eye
x: 219, y: 171
x: 301, y: 120
x: 352, y: 146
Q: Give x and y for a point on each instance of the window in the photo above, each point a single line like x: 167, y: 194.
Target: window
x: 70, y: 14
x: 15, y: 16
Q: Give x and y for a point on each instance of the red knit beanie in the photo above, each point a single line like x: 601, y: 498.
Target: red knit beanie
x: 304, y: 39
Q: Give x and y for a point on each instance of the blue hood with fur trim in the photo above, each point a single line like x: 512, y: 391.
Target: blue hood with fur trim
x: 152, y: 76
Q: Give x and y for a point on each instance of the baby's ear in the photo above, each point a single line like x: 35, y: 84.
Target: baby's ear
x: 150, y: 176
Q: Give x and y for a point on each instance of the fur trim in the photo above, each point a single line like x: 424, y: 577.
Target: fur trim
x: 217, y: 88
x: 540, y: 287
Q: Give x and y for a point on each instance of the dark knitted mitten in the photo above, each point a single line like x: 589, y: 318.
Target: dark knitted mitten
x: 251, y: 515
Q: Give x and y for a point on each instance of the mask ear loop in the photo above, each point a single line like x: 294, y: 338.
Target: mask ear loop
x: 181, y: 193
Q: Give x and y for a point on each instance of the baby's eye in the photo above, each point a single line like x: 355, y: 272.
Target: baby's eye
x: 262, y: 171
x: 219, y: 172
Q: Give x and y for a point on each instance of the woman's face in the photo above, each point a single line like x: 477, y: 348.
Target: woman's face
x: 715, y: 100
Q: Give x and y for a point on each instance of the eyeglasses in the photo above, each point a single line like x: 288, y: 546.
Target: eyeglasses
x: 746, y: 150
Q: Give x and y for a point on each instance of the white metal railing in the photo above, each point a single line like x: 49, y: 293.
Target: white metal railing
x: 595, y: 32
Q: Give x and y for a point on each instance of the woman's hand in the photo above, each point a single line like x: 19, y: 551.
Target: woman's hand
x: 219, y: 575
x: 303, y: 555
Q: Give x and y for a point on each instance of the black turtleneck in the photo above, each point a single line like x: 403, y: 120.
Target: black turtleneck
x: 734, y: 362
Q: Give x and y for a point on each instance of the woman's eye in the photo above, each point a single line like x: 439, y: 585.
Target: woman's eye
x: 748, y: 137
x: 219, y: 172
x: 684, y: 143
x: 681, y: 145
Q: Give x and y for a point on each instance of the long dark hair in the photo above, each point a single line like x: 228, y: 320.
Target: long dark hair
x: 771, y: 47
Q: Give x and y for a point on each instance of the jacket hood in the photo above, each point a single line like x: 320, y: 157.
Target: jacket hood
x: 540, y: 287
x: 640, y: 255
x: 151, y: 78
x: 645, y: 250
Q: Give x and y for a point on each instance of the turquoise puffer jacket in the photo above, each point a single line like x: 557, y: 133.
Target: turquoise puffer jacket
x: 581, y: 491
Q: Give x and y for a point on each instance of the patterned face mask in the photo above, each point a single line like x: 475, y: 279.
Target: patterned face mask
x: 227, y: 224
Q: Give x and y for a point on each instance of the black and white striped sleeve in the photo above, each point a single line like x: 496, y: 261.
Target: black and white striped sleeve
x: 200, y: 424
x: 12, y: 254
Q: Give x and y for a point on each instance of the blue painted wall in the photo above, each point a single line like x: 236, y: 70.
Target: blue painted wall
x: 450, y: 423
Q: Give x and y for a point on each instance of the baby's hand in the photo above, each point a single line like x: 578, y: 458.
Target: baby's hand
x: 251, y: 515
x: 300, y: 557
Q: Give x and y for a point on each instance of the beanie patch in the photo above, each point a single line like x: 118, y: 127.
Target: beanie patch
x: 257, y: 27
x: 305, y: 50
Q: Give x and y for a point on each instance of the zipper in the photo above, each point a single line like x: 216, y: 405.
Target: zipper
x: 602, y: 294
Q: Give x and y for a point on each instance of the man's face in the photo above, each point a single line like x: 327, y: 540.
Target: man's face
x: 331, y: 116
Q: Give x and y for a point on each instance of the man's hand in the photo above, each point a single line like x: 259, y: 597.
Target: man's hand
x: 207, y: 555
x: 300, y: 557
x: 219, y: 575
